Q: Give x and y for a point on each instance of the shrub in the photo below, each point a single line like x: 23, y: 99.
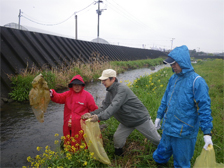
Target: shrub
x: 21, y: 87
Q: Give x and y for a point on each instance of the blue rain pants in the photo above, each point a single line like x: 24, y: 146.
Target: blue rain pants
x: 182, y: 150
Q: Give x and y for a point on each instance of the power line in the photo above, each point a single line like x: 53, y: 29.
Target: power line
x: 46, y: 24
x: 53, y: 24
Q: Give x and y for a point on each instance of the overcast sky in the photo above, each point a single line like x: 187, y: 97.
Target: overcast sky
x: 199, y: 24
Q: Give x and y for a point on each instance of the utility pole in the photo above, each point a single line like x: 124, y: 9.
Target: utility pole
x: 172, y: 43
x: 19, y: 18
x: 99, y: 12
x: 76, y: 35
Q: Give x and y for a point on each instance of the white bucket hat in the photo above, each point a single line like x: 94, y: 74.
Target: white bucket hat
x: 107, y: 73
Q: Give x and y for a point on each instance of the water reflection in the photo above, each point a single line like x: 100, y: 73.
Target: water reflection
x: 21, y: 133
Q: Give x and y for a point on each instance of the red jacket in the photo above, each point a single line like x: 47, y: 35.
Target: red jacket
x: 76, y: 104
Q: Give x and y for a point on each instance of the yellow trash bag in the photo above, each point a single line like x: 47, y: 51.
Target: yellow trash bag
x: 39, y: 97
x: 207, y: 159
x: 94, y: 140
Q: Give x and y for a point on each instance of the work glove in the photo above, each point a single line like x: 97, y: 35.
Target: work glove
x: 157, y: 123
x: 94, y: 118
x: 51, y: 93
x: 86, y: 116
x: 208, y: 141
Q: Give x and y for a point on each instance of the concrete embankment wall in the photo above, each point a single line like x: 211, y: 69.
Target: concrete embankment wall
x: 24, y: 49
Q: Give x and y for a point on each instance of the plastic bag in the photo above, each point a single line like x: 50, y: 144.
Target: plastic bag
x: 94, y: 140
x: 39, y: 97
x: 207, y: 159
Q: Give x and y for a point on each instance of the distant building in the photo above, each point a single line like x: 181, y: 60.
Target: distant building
x: 15, y: 26
x: 100, y: 40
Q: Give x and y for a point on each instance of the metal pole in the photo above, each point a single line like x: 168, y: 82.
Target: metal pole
x: 19, y: 18
x: 98, y: 24
x: 172, y: 43
x: 76, y: 35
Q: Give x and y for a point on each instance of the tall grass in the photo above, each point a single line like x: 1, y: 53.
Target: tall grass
x: 213, y: 73
x: 59, y: 77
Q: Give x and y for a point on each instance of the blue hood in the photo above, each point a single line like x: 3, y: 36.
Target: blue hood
x: 182, y: 57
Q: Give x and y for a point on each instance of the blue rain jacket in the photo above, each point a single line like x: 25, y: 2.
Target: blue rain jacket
x: 178, y: 108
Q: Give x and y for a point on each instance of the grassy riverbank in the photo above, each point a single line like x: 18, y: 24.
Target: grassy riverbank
x: 150, y: 89
x: 58, y: 78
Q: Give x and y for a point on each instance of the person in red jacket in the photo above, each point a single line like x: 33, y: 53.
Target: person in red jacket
x: 77, y: 102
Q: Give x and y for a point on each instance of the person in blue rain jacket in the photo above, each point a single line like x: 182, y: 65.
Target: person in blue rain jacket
x: 186, y: 91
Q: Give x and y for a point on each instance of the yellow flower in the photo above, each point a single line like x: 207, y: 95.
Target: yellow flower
x: 62, y: 137
x: 120, y: 81
x: 32, y: 163
x: 24, y: 167
x: 51, y: 152
x: 73, y: 148
x: 91, y: 153
x: 161, y: 85
x: 47, y: 147
x: 76, y: 136
x: 84, y: 135
x: 84, y: 144
x: 158, y: 80
x: 77, y: 144
x: 72, y: 139
x: 29, y: 159
x: 152, y: 83
x: 68, y: 147
x: 38, y: 148
x: 68, y: 155
x: 56, y: 142
x: 81, y: 146
x: 85, y: 163
x: 36, y: 165
x: 81, y: 132
x: 68, y: 136
x: 56, y: 135
x: 38, y: 157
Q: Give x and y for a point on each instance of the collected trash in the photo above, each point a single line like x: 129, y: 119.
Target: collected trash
x: 39, y: 97
x: 94, y: 140
x: 207, y: 159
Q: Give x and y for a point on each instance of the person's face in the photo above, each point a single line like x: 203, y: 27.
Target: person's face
x: 77, y: 88
x: 176, y: 67
x: 107, y: 83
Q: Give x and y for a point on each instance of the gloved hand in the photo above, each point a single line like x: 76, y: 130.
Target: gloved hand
x: 157, y: 123
x: 94, y: 118
x: 86, y: 116
x: 208, y: 141
x: 51, y: 93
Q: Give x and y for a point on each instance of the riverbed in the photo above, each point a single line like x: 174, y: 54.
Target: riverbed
x: 21, y: 133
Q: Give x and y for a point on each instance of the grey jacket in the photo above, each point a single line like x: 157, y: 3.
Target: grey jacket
x: 124, y: 105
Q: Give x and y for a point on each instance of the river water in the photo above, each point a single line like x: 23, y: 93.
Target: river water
x: 21, y: 133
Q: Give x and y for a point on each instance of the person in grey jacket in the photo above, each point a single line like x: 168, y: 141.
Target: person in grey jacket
x: 125, y: 106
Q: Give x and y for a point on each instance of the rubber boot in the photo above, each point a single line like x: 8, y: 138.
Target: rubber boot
x: 118, y: 152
